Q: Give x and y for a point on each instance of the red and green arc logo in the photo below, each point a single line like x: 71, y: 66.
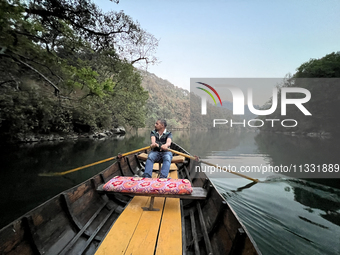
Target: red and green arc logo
x: 209, y: 93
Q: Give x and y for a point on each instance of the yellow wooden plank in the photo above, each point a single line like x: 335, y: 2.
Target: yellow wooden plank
x: 170, y: 235
x: 143, y: 156
x: 145, y: 236
x: 173, y: 166
x: 119, y: 236
x: 175, y: 159
x: 173, y: 175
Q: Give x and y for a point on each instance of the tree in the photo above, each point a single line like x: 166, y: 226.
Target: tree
x: 318, y: 77
x: 326, y: 67
x: 37, y: 34
x: 71, y: 49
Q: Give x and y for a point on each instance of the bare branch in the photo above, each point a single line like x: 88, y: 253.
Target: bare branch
x: 61, y: 79
x: 56, y: 89
x: 4, y: 82
x: 15, y: 80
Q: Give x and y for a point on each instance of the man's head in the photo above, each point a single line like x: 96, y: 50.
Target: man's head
x: 160, y: 124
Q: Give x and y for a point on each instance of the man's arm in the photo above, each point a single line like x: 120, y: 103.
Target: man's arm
x: 165, y: 147
x: 153, y: 142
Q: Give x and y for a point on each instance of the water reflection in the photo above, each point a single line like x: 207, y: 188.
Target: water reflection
x: 284, y: 220
x: 22, y: 189
x: 204, y: 142
x: 300, y: 150
x: 315, y: 196
x: 262, y: 149
x: 283, y: 214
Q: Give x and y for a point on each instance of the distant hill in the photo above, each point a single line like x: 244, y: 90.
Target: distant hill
x: 166, y: 101
x: 173, y: 103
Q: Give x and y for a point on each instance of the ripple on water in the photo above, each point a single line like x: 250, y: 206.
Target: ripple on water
x: 287, y: 216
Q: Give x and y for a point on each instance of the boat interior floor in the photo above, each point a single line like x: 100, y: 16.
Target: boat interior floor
x: 137, y: 231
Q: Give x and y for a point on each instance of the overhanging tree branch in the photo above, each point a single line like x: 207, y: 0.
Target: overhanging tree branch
x: 38, y: 63
x: 4, y: 82
x: 56, y: 89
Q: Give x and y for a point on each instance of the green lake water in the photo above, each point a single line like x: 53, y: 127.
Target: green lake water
x: 284, y: 214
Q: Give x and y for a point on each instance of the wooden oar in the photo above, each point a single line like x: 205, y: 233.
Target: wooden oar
x: 95, y: 163
x: 210, y: 164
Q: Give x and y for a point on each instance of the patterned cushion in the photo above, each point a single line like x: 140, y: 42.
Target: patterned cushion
x: 148, y: 185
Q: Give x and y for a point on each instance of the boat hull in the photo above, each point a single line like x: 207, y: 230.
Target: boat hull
x: 77, y: 220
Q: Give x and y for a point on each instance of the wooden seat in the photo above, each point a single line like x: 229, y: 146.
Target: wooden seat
x: 175, y: 159
x: 158, y: 166
x: 197, y: 193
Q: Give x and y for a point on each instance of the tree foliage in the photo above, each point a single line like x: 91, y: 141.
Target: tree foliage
x: 65, y: 63
x: 326, y: 67
x: 321, y: 78
x: 166, y: 101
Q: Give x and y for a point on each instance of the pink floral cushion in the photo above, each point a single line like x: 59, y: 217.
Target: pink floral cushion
x: 148, y: 185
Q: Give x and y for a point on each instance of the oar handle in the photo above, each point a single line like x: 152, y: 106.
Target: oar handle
x: 93, y: 164
x: 82, y: 167
x: 210, y: 164
x: 135, y: 151
x: 182, y: 154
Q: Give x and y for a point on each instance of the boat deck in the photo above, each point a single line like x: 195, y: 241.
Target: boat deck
x: 84, y: 221
x: 146, y: 232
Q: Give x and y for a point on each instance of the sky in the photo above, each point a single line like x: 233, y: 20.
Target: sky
x: 234, y: 38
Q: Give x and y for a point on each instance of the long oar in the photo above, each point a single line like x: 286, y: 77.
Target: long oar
x: 95, y: 163
x: 210, y: 164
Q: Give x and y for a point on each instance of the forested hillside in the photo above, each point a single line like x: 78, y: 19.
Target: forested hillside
x: 181, y: 108
x: 67, y: 66
x: 165, y: 101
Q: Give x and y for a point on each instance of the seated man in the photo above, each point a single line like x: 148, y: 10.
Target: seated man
x: 160, y: 142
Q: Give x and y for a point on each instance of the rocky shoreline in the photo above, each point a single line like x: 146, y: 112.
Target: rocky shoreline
x: 321, y: 134
x: 33, y: 138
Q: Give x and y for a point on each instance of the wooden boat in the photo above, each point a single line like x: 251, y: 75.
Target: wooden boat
x: 78, y: 220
